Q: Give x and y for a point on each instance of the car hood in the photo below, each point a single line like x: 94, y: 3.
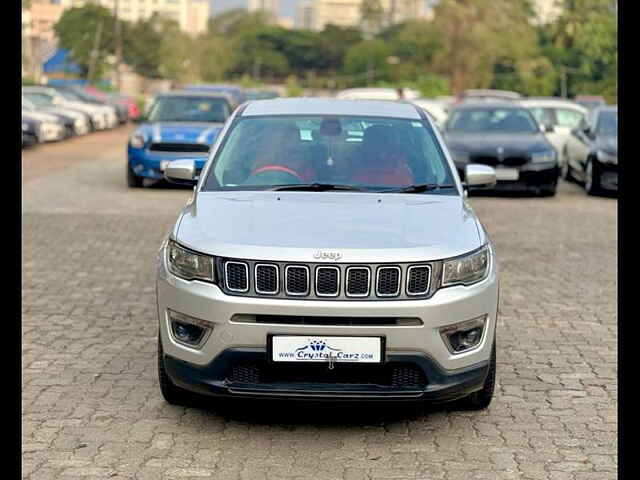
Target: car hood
x: 607, y: 143
x: 182, y: 132
x: 65, y: 111
x: 361, y: 227
x: 488, y: 143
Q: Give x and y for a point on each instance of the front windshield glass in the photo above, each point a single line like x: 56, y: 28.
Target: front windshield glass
x: 492, y: 120
x: 370, y: 153
x: 607, y: 123
x: 189, y: 109
x: 38, y: 99
x: 561, y: 117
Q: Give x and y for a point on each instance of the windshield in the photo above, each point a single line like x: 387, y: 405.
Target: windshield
x: 492, y: 120
x: 561, y: 117
x: 607, y: 123
x: 39, y: 99
x: 68, y: 95
x: 371, y: 153
x: 189, y: 109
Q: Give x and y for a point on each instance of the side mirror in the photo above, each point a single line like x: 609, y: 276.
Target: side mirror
x: 479, y: 176
x: 182, y: 172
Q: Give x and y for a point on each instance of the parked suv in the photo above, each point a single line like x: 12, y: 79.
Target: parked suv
x: 328, y: 252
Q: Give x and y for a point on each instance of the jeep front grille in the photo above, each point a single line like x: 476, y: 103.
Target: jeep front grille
x: 322, y: 281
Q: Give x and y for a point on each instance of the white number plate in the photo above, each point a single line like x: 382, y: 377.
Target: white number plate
x: 507, y: 174
x: 296, y: 348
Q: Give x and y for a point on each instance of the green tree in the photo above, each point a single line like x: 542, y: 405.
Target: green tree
x: 365, y: 56
x: 88, y: 33
x: 477, y: 34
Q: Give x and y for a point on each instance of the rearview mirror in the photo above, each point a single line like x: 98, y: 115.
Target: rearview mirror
x: 182, y: 172
x: 479, y: 176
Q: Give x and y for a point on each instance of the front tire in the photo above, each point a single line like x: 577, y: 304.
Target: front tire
x: 482, y: 398
x: 170, y: 392
x: 133, y: 181
x: 592, y: 178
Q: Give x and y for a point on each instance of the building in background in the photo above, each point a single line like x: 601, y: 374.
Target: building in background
x: 269, y: 6
x: 38, y: 36
x: 315, y: 14
x: 547, y: 10
x: 305, y: 15
x: 191, y: 15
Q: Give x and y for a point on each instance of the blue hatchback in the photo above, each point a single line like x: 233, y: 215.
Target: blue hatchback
x: 178, y: 125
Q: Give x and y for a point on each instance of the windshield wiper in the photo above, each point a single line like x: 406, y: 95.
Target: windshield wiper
x: 317, y: 187
x: 423, y: 187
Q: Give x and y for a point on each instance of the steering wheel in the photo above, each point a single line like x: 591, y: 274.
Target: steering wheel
x: 274, y: 174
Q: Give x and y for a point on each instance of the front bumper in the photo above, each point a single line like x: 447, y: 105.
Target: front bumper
x: 213, y: 379
x: 206, y: 370
x: 147, y: 164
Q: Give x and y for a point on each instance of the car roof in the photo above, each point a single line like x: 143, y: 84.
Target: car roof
x: 330, y: 106
x: 552, y: 102
x: 488, y: 104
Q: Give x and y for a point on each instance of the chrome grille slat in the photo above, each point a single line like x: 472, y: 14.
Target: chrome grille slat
x: 296, y: 280
x: 266, y: 278
x: 237, y: 276
x: 388, y: 281
x: 418, y: 279
x: 327, y: 281
x: 358, y: 282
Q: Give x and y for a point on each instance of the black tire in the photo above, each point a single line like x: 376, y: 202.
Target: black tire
x: 482, y: 398
x: 548, y: 190
x: 568, y: 172
x: 171, y: 393
x: 133, y: 180
x: 592, y: 178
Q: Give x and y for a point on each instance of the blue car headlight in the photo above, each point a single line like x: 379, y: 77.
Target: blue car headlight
x: 138, y: 140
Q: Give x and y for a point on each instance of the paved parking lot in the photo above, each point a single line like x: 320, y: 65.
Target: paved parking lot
x: 91, y: 404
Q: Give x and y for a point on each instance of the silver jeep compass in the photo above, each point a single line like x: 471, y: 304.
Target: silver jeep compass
x: 328, y: 252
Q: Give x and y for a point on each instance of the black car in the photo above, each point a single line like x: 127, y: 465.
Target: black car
x: 592, y: 151
x: 30, y: 132
x: 507, y: 137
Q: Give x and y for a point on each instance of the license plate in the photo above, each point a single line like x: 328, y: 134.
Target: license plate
x: 299, y: 348
x: 164, y: 164
x: 507, y: 174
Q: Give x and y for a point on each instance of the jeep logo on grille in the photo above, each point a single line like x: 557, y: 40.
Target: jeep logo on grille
x: 320, y: 255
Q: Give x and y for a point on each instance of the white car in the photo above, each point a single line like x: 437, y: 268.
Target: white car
x: 345, y: 265
x: 435, y: 108
x: 80, y: 120
x: 377, y: 94
x: 97, y: 113
x: 51, y: 128
x: 563, y: 116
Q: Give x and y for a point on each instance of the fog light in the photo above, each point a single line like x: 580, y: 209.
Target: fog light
x: 463, y: 336
x: 188, y: 330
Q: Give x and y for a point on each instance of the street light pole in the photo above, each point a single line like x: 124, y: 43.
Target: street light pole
x: 118, y: 39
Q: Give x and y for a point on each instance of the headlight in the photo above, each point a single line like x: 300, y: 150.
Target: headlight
x: 78, y: 123
x: 468, y: 269
x: 544, y: 156
x: 606, y: 157
x: 189, y: 265
x: 138, y: 139
x: 458, y: 156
